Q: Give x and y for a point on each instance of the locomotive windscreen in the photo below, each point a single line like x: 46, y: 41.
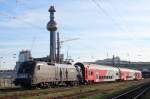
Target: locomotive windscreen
x: 27, y: 67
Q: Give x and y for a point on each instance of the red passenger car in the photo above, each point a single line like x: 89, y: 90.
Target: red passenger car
x: 90, y: 73
x: 129, y: 74
x: 99, y: 73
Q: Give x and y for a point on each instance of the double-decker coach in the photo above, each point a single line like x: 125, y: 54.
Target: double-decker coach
x: 138, y: 75
x: 129, y: 74
x: 98, y: 73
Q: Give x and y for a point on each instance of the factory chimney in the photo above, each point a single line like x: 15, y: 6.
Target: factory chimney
x: 52, y: 27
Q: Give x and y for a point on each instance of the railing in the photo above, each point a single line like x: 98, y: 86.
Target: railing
x: 6, y: 83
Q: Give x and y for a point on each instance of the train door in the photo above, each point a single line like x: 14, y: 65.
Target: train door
x: 97, y: 77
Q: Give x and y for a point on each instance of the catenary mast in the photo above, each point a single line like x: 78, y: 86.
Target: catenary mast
x: 52, y: 27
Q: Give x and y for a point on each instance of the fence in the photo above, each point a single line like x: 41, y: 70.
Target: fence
x: 6, y: 83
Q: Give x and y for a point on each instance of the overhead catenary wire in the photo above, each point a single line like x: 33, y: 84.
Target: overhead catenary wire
x: 18, y: 2
x: 124, y: 26
x: 21, y: 20
x: 101, y: 9
x: 119, y: 16
x: 33, y: 43
x: 26, y: 22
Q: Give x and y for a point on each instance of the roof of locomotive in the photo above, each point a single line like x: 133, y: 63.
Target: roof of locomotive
x: 65, y: 65
x: 57, y: 65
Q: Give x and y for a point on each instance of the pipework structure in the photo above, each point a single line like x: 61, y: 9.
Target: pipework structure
x: 52, y: 27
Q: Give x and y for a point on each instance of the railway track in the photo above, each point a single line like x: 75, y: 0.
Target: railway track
x: 69, y: 92
x: 135, y: 93
x: 2, y: 90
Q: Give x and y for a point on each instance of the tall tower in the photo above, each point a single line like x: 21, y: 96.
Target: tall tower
x: 52, y: 27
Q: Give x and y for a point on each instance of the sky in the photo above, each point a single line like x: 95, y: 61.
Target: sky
x: 104, y: 28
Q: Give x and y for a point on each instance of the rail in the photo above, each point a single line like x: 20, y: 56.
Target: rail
x: 135, y: 93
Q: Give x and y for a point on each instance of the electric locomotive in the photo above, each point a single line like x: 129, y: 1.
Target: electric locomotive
x: 44, y: 74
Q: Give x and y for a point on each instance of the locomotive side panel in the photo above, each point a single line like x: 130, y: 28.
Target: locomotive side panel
x: 44, y: 73
x: 66, y: 72
x: 72, y: 74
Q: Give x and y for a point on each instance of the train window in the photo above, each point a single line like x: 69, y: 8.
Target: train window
x: 38, y: 67
x: 99, y: 77
x: 91, y: 73
x: 107, y: 77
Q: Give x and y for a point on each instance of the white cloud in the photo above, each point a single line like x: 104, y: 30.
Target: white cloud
x: 30, y: 18
x: 96, y: 30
